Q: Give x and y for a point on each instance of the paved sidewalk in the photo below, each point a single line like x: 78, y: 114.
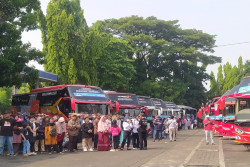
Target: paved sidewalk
x: 191, y: 152
x: 205, y: 155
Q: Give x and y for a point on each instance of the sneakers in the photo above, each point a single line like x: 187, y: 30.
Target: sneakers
x: 91, y: 149
x: 33, y: 153
x: 134, y: 148
x: 85, y: 149
x: 213, y: 143
x: 128, y: 148
x: 112, y: 150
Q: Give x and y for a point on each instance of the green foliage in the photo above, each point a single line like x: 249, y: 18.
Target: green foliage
x: 16, y: 16
x: 228, y: 77
x: 5, y: 98
x: 166, y: 57
x: 63, y: 31
x: 25, y: 88
x: 146, y: 56
x: 115, y: 68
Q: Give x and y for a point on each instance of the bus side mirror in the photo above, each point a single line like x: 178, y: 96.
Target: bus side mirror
x: 117, y: 106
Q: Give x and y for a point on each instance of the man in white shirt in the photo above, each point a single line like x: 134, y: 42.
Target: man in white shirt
x: 172, y: 124
x: 135, y: 136
x: 127, y: 127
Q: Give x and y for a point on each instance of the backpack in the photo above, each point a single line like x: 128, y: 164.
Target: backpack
x: 52, y: 132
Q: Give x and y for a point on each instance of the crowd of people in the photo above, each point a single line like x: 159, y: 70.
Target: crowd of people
x: 42, y: 133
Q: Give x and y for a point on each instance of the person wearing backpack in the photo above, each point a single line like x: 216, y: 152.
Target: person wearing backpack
x: 51, y: 136
x: 142, y: 131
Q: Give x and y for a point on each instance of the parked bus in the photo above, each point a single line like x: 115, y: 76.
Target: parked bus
x: 161, y: 107
x: 173, y: 109
x: 228, y: 129
x: 242, y: 110
x: 224, y: 112
x: 62, y: 100
x: 148, y: 102
x: 128, y: 103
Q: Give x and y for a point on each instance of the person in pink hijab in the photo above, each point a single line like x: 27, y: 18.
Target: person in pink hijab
x: 103, y: 135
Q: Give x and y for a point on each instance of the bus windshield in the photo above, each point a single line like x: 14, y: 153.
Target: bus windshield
x: 91, y: 108
x: 87, y: 94
x: 152, y: 112
x: 159, y: 103
x: 145, y: 101
x: 132, y: 112
x: 124, y: 98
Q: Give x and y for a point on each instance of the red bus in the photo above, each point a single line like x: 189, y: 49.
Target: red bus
x: 62, y: 100
x: 128, y: 103
x: 242, y: 108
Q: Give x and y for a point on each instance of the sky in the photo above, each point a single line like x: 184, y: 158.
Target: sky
x: 227, y: 19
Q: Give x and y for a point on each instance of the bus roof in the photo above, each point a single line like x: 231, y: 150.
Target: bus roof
x: 143, y: 96
x: 51, y: 88
x: 114, y: 92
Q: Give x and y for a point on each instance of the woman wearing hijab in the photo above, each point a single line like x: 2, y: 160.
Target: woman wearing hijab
x: 51, y: 136
x: 103, y: 135
x: 61, y: 130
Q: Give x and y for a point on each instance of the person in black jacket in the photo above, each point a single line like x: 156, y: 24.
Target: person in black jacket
x: 40, y: 135
x: 142, y: 131
x: 87, y: 134
x: 32, y: 134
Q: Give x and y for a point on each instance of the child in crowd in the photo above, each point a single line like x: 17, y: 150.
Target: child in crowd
x: 25, y: 138
x: 66, y: 141
x: 115, y: 131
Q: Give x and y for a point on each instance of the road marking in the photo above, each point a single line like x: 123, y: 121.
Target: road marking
x: 192, y: 153
x: 221, y: 154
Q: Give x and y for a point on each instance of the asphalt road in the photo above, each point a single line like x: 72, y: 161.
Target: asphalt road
x: 235, y: 155
x: 172, y: 154
x: 124, y: 158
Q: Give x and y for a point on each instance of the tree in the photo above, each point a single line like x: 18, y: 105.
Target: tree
x: 214, y: 88
x: 16, y: 17
x: 165, y: 56
x: 63, y: 31
x: 5, y: 98
x: 220, y: 80
x: 115, y: 68
x: 228, y: 77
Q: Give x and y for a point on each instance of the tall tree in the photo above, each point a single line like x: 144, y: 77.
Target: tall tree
x: 228, y: 76
x: 16, y: 17
x: 5, y: 98
x: 63, y: 32
x: 220, y: 79
x: 166, y: 56
x: 214, y: 88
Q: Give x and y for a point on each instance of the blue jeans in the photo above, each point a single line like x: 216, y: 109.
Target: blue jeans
x: 26, y: 147
x: 3, y: 140
x: 152, y: 132
x: 157, y: 134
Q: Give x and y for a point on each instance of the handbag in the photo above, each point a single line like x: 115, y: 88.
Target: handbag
x: 60, y: 137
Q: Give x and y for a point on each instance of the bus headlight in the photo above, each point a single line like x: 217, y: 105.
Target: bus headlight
x: 239, y: 131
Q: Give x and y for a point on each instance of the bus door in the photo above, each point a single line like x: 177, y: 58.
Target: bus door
x: 65, y: 106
